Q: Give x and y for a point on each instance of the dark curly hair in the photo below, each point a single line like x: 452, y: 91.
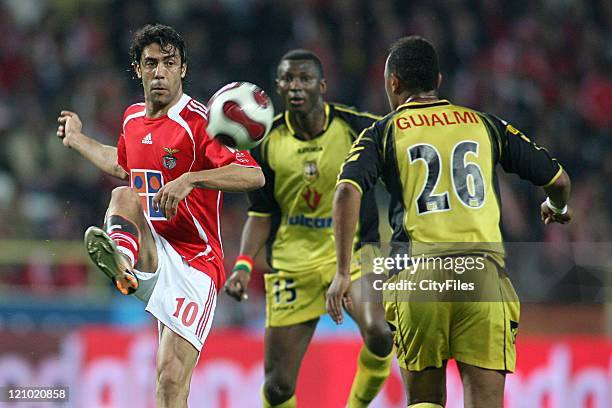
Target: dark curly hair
x: 166, y: 36
x: 301, y: 54
x: 415, y: 62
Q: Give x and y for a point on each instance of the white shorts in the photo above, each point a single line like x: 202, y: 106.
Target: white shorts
x: 180, y: 297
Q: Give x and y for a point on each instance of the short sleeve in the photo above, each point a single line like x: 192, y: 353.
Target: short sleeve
x: 364, y: 161
x: 218, y: 155
x: 519, y: 155
x: 121, y: 155
x: 133, y: 111
x: 262, y: 201
x: 358, y: 121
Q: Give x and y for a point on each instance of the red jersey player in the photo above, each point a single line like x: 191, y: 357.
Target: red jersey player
x: 162, y: 239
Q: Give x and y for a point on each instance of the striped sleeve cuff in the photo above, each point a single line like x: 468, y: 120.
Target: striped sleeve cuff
x: 350, y: 182
x: 555, y: 177
x: 259, y: 214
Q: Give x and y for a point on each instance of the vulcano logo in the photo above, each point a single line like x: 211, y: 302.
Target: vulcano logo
x: 310, y: 222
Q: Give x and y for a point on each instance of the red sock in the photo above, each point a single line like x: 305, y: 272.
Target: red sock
x: 127, y: 244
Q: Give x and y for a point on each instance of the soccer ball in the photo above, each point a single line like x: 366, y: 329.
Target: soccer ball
x: 240, y: 115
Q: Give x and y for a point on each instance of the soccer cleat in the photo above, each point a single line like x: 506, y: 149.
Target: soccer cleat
x: 104, y: 253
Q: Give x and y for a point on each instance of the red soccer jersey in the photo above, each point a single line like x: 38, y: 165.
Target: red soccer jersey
x: 157, y: 151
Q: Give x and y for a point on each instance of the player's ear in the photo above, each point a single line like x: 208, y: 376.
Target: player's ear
x: 323, y: 86
x: 183, y: 70
x: 440, y: 78
x: 137, y: 70
x: 277, y: 83
x: 396, y: 85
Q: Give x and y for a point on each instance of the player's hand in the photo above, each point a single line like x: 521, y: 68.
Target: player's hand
x: 338, y: 296
x: 237, y: 284
x: 549, y: 216
x: 69, y: 127
x: 170, y: 195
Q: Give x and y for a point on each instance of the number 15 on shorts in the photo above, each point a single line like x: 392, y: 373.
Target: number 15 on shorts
x: 284, y: 291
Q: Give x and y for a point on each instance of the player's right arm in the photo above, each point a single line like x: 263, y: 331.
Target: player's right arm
x: 358, y: 175
x: 102, y: 156
x: 519, y: 155
x: 256, y: 230
x: 254, y: 236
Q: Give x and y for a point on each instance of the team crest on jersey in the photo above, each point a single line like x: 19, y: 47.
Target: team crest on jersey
x: 241, y: 157
x: 169, y: 161
x: 311, y: 172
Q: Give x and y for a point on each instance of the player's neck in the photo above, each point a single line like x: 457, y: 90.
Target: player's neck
x: 310, y: 124
x: 429, y: 96
x: 154, y: 111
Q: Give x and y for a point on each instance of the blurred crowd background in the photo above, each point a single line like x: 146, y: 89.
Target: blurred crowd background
x: 542, y: 65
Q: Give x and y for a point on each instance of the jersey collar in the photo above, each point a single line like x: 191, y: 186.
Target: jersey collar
x: 328, y: 118
x: 179, y: 105
x: 419, y: 105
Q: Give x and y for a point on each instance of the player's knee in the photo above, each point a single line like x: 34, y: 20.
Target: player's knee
x: 378, y: 338
x: 126, y: 198
x: 278, y: 390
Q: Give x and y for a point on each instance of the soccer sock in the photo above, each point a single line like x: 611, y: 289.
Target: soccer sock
x: 290, y: 403
x: 125, y: 235
x: 425, y: 405
x: 372, y: 371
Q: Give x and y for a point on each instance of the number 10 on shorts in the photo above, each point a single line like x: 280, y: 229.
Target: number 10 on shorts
x: 186, y: 314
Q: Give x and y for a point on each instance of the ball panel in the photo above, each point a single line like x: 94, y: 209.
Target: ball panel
x: 235, y: 112
x: 230, y: 86
x: 261, y: 98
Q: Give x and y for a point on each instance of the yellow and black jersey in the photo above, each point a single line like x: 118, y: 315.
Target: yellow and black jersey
x: 300, y: 180
x: 437, y: 161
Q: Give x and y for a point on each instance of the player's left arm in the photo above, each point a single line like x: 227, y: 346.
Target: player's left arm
x: 221, y: 168
x: 520, y: 155
x: 555, y: 208
x: 230, y: 178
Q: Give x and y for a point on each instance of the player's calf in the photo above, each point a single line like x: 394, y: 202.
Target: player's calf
x: 373, y: 365
x: 125, y: 234
x: 172, y: 389
x: 127, y: 225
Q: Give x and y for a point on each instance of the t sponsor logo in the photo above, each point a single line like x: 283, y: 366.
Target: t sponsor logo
x: 147, y: 183
x: 147, y: 139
